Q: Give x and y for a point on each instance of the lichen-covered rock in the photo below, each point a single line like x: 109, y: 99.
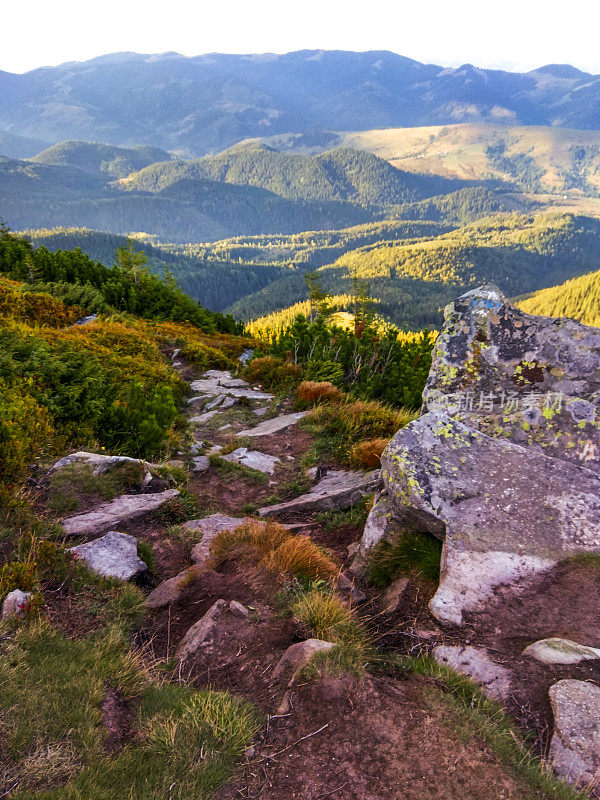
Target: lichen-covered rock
x: 113, y: 556
x: 100, y: 462
x: 533, y: 380
x: 116, y: 512
x: 475, y: 663
x: 575, y: 745
x: 561, y: 651
x: 505, y: 511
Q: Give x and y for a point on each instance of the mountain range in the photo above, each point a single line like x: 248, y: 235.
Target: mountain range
x: 202, y: 104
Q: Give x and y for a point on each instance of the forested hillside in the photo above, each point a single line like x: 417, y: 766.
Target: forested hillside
x: 578, y: 298
x: 100, y: 159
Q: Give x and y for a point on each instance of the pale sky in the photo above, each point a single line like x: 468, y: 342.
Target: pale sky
x: 508, y: 34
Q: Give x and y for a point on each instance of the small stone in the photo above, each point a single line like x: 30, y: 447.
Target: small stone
x: 237, y: 609
x: 16, y: 603
x: 197, y: 448
x: 260, y: 412
x: 474, y: 662
x: 201, y: 464
x: 346, y: 588
x: 169, y: 591
x: 560, y: 651
x: 201, y: 419
x: 202, y: 633
x: 113, y: 556
x: 393, y: 595
x: 575, y: 745
x: 225, y: 427
x: 296, y: 657
x: 246, y: 356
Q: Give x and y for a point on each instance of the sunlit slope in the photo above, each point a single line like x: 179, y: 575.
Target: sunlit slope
x: 578, y: 298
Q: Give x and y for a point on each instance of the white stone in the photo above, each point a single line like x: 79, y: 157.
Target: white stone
x: 253, y: 459
x: 15, y: 603
x: 561, y: 651
x: 274, y: 425
x: 475, y: 662
x: 113, y: 556
x: 114, y: 513
x: 575, y: 745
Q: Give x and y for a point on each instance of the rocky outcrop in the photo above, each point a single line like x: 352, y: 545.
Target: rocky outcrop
x: 503, y: 510
x: 115, y: 513
x: 475, y: 663
x: 337, y: 491
x: 113, y: 556
x: 533, y: 380
x: 575, y: 745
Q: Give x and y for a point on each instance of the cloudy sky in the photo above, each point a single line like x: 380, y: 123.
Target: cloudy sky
x: 512, y: 34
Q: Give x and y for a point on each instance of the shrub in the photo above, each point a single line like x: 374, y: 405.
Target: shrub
x: 273, y: 373
x: 310, y: 393
x: 368, y: 453
x: 204, y: 357
x: 411, y: 552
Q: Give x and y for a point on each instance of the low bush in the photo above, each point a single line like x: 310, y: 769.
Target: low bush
x: 274, y: 374
x: 367, y: 454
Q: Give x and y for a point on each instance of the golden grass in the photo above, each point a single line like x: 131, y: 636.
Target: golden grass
x: 309, y: 393
x: 367, y: 454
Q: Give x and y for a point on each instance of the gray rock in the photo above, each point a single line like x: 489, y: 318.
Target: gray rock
x: 116, y: 512
x: 393, y: 595
x: 200, y: 464
x: 15, y: 603
x: 270, y: 426
x: 346, y: 588
x: 216, y: 382
x: 197, y: 448
x: 296, y: 657
x: 113, y: 556
x: 560, y: 651
x: 533, y: 380
x: 100, y: 463
x: 238, y: 610
x: 506, y: 511
x: 575, y: 745
x: 246, y: 356
x: 216, y: 402
x: 337, y: 491
x: 202, y: 419
x: 199, y: 398
x: 379, y: 525
x: 87, y: 320
x: 169, y: 591
x: 253, y: 459
x: 209, y: 527
x: 201, y: 635
x: 476, y: 663
x: 260, y: 412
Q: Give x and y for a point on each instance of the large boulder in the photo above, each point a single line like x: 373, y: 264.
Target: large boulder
x: 575, y: 745
x: 533, y: 380
x: 116, y: 512
x: 504, y: 511
x: 113, y: 556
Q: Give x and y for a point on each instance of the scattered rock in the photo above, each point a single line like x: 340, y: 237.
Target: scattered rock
x: 533, y: 380
x: 246, y: 356
x: 253, y: 459
x: 378, y: 526
x: 201, y: 419
x: 200, y: 464
x: 296, y: 657
x: 575, y: 745
x: 197, y: 448
x: 202, y: 633
x: 116, y: 512
x: 15, y: 603
x: 270, y: 426
x: 477, y: 665
x: 393, y: 595
x: 100, y: 463
x: 216, y: 382
x: 216, y: 448
x: 224, y: 427
x: 337, y: 491
x: 113, y: 556
x: 87, y: 320
x: 199, y: 398
x: 210, y: 527
x: 505, y: 510
x: 216, y: 402
x: 346, y: 588
x: 260, y: 412
x: 237, y: 609
x: 560, y: 651
x: 169, y: 591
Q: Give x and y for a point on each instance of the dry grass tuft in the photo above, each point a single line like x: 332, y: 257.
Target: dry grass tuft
x: 311, y: 393
x: 368, y: 453
x: 273, y: 373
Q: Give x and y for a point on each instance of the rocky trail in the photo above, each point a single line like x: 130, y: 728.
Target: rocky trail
x: 397, y: 730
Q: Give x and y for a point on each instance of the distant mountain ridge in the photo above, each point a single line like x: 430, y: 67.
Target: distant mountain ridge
x: 195, y: 105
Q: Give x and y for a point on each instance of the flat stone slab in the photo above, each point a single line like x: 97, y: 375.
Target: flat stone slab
x: 575, y: 745
x: 253, y: 459
x: 533, y: 380
x: 202, y: 419
x: 506, y: 511
x: 561, y: 651
x: 475, y: 663
x: 270, y: 426
x: 113, y: 555
x: 116, y: 512
x: 337, y: 490
x: 100, y: 462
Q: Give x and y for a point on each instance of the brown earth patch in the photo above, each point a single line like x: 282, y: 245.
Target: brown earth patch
x: 117, y: 719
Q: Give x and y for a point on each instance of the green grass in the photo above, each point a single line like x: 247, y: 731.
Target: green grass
x: 228, y: 468
x: 185, y: 744
x: 355, y: 516
x: 409, y: 552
